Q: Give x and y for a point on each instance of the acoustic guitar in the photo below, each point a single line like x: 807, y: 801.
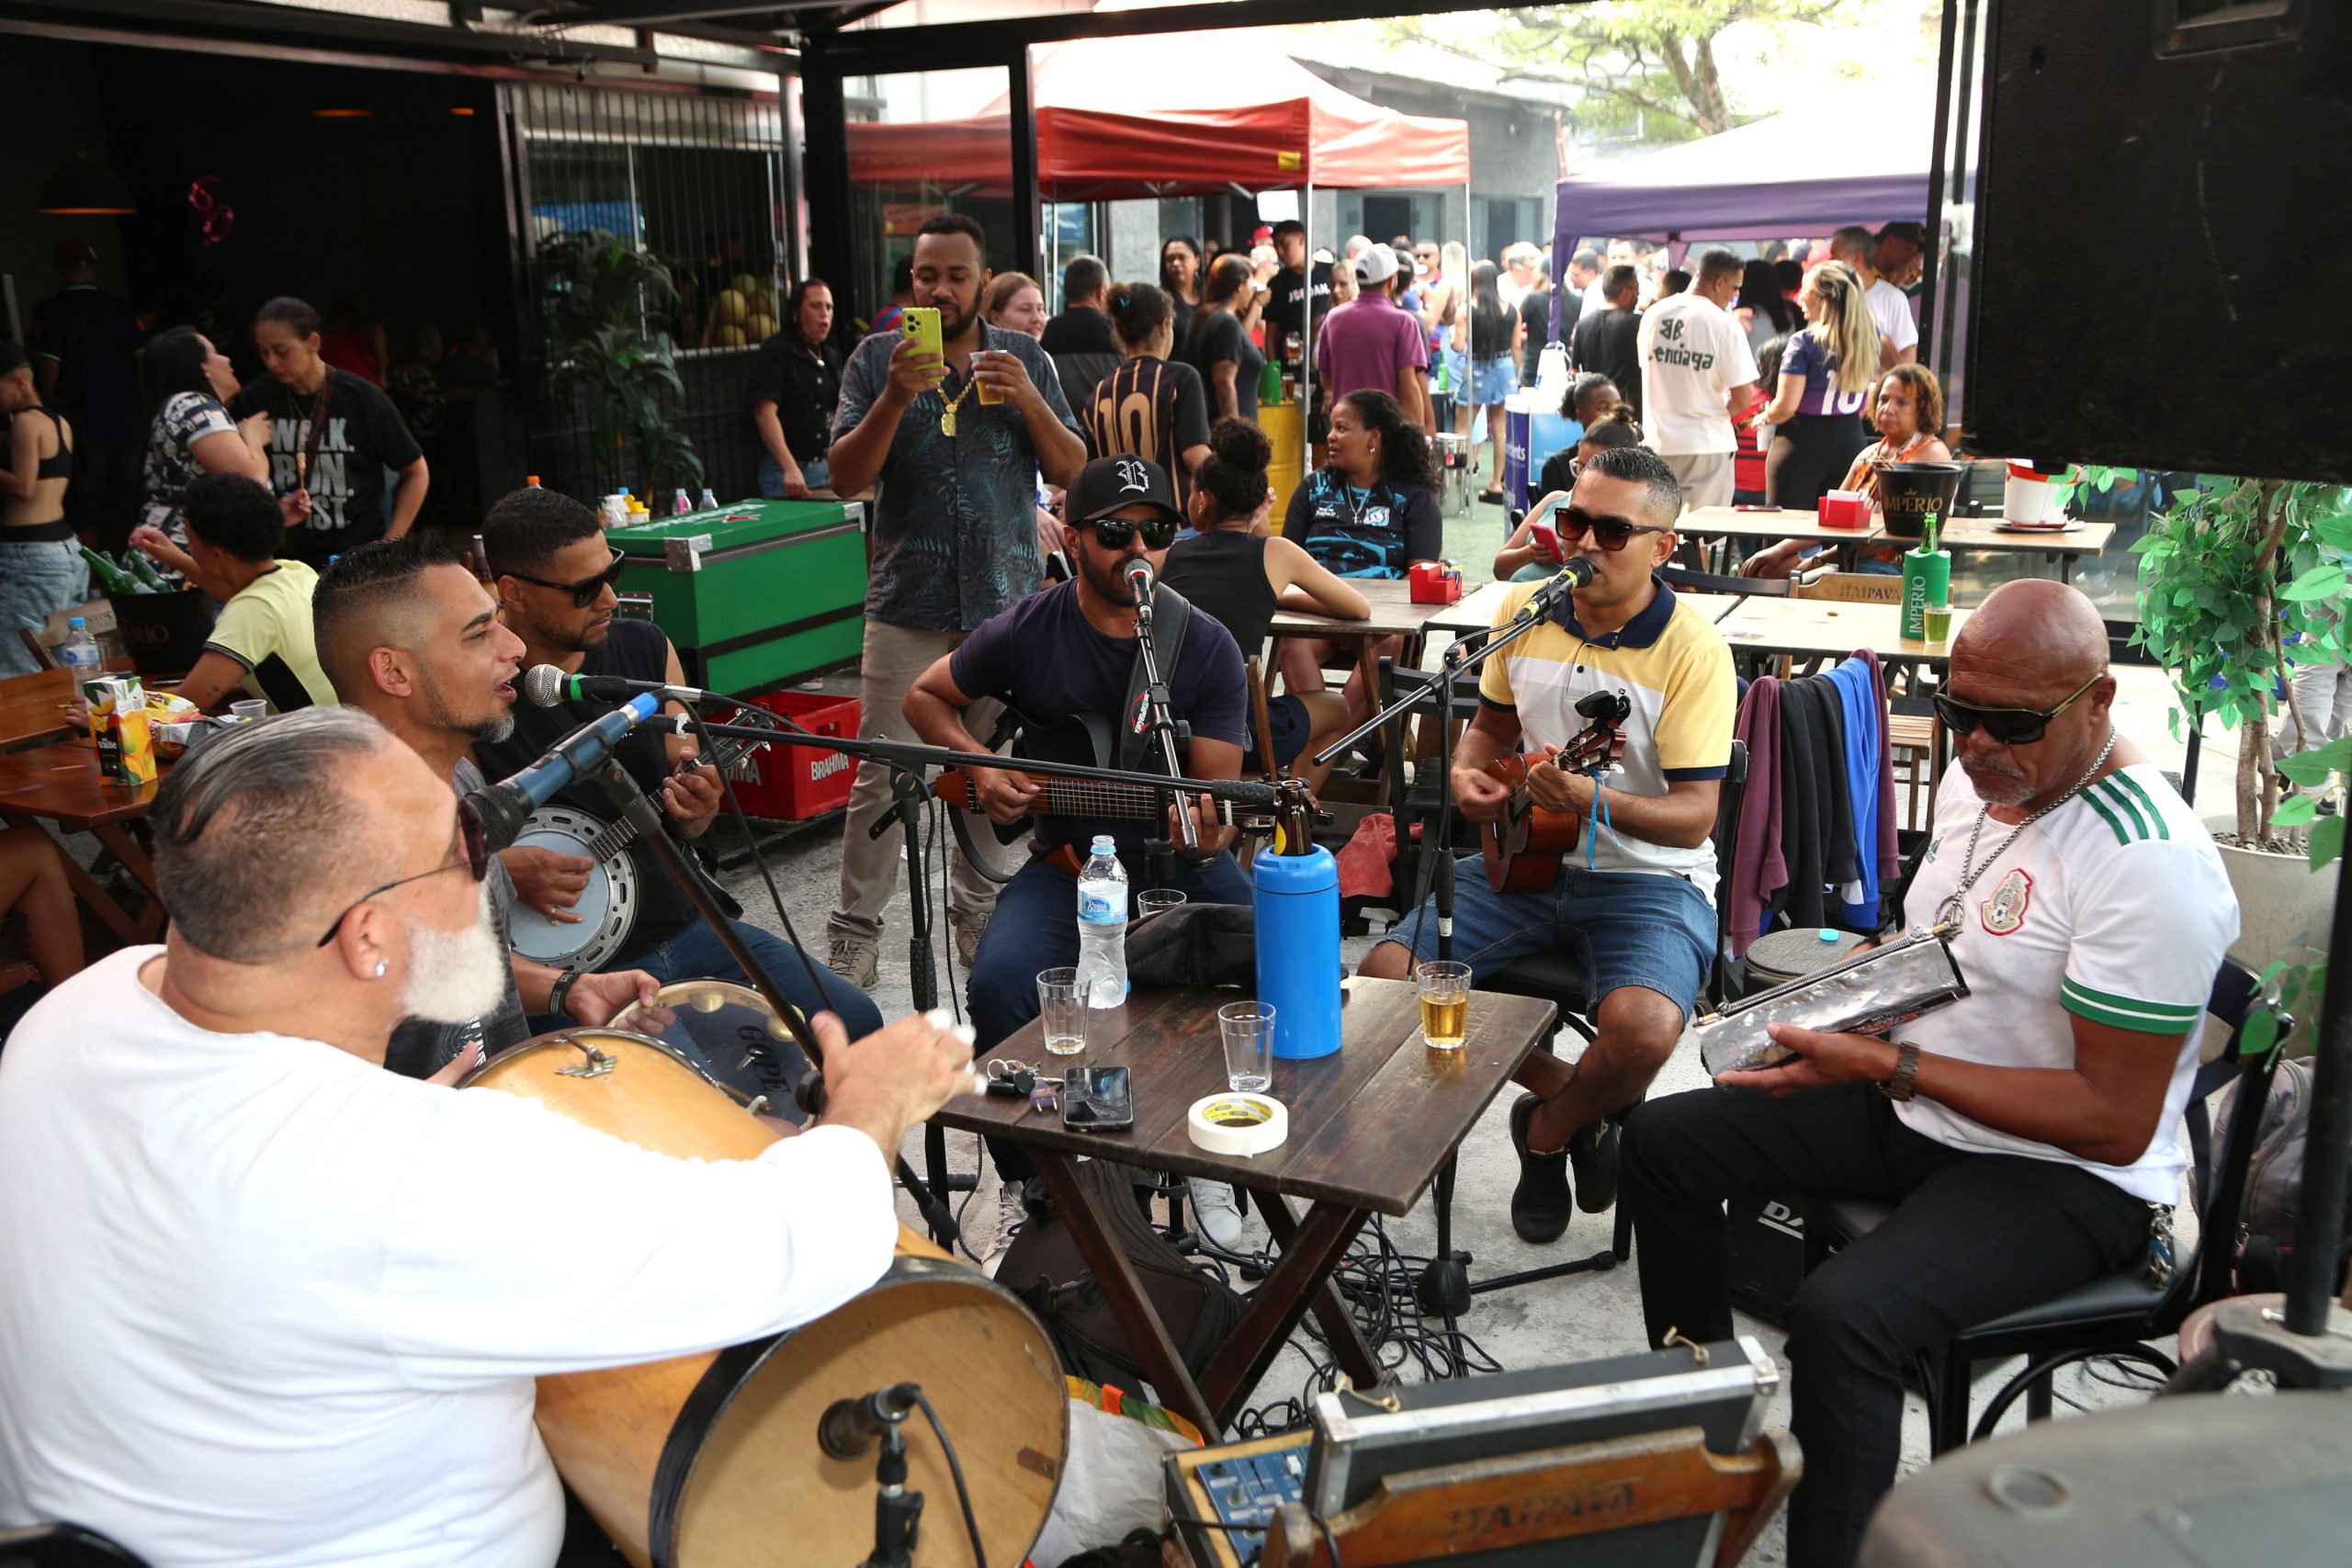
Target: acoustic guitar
x: 1523, y: 847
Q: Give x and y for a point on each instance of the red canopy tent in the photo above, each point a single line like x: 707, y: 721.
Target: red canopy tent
x: 1180, y: 114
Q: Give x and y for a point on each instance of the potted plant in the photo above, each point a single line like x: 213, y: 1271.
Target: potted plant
x: 2240, y: 580
x: 600, y: 294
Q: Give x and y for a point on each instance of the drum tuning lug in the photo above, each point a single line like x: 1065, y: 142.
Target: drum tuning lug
x: 597, y: 1065
x: 759, y: 1105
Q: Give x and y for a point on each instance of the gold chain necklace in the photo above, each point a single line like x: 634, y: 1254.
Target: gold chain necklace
x: 947, y: 415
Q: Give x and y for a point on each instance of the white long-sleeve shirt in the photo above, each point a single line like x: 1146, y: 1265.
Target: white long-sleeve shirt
x: 263, y: 1303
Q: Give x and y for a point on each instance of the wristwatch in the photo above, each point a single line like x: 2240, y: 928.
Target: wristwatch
x: 561, y: 992
x: 1907, y: 1069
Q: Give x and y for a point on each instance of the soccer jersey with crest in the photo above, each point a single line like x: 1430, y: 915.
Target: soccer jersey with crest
x: 2115, y: 908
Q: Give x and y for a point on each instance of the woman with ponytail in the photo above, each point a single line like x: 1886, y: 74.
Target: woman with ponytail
x: 1149, y: 407
x: 1826, y: 375
x: 1370, y: 511
x: 1234, y: 571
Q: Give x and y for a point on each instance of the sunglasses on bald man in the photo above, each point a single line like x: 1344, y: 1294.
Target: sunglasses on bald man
x: 2010, y: 727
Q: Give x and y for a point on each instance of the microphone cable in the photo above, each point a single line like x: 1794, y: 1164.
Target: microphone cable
x: 955, y: 1468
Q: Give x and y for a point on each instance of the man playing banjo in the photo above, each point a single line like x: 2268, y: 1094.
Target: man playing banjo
x: 405, y: 634
x: 252, y: 1308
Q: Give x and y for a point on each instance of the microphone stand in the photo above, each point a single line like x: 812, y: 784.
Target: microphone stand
x: 1159, y: 850
x: 1445, y: 1285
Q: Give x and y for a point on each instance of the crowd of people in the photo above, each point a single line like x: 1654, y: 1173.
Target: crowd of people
x: 277, y: 1094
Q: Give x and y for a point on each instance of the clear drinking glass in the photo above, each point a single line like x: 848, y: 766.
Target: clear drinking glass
x: 1061, y: 1005
x: 1249, y: 1032
x: 1156, y: 901
x: 1445, y: 1003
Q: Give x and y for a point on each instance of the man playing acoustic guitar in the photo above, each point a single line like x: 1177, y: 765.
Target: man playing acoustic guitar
x: 1639, y: 887
x: 1066, y: 651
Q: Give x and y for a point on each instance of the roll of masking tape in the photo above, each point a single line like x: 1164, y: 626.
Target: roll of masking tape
x: 1239, y: 1123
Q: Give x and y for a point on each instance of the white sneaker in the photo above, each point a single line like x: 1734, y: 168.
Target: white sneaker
x: 856, y: 959
x: 1214, y: 1213
x: 1011, y: 1212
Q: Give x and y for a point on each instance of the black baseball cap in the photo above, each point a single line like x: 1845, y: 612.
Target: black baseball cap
x: 1106, y: 484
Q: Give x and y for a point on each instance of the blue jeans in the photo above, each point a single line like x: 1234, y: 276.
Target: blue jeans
x: 695, y: 951
x: 1644, y: 928
x: 36, y: 579
x: 1035, y: 927
x: 815, y: 471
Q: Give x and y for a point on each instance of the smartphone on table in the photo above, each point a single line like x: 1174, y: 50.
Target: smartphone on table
x: 1098, y: 1099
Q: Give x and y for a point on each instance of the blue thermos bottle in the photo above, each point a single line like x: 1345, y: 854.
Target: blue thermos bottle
x: 1298, y: 914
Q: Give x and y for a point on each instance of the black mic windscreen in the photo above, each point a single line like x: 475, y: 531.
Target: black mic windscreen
x: 543, y: 685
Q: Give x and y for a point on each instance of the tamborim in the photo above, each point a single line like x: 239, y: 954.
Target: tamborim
x: 711, y: 1461
x: 731, y: 1033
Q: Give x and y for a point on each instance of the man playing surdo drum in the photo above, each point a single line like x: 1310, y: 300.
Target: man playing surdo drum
x: 261, y: 1301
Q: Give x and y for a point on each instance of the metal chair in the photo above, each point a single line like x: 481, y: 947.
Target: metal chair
x: 2113, y: 1316
x: 1565, y: 979
x: 1688, y: 580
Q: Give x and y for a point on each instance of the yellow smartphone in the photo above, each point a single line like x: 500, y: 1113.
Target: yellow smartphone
x: 920, y: 324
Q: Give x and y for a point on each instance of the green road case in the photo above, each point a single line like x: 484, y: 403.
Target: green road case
x: 756, y: 594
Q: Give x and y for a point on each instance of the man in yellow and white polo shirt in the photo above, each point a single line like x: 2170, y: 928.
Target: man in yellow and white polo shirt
x: 1639, y: 888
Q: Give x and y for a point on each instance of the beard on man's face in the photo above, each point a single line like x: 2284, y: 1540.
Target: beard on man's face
x: 456, y: 975
x: 2000, y: 783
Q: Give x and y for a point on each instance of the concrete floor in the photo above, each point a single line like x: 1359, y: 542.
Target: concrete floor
x: 1588, y: 1315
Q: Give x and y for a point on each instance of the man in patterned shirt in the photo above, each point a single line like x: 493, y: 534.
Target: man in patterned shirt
x: 952, y: 450
x: 2024, y: 1133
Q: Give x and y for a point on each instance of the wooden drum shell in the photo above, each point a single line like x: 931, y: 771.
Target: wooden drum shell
x: 710, y: 1461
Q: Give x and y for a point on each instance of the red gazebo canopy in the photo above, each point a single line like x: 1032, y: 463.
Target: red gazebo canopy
x: 1180, y: 114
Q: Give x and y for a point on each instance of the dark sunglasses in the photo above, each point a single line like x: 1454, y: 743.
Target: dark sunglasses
x: 1608, y: 533
x: 2010, y: 727
x: 583, y: 592
x: 477, y: 861
x: 1113, y: 532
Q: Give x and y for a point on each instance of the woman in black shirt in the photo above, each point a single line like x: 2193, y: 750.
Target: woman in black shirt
x: 1234, y: 571
x: 1218, y: 345
x: 1180, y: 278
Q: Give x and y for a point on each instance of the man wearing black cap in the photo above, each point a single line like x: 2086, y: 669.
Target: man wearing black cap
x: 1068, y: 651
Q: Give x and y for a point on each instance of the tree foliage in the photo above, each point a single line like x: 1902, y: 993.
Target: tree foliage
x: 1655, y: 61
x: 598, y: 288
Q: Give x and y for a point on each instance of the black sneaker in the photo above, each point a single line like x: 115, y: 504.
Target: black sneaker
x: 1593, y: 1152
x: 1540, y: 1208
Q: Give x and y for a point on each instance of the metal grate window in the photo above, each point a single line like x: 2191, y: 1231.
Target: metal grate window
x: 695, y: 176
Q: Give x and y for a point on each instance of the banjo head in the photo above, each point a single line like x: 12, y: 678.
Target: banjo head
x: 608, y: 906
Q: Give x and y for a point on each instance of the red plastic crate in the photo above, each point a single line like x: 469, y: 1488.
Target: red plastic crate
x: 789, y: 783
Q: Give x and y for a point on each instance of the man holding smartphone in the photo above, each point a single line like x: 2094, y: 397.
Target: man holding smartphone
x: 951, y: 439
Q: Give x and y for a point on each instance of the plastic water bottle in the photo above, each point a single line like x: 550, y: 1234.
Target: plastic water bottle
x: 1103, y: 925
x: 710, y: 501
x: 80, y: 655
x: 680, y: 505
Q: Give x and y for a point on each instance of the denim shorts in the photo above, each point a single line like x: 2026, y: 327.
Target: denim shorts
x: 1492, y: 380
x: 1642, y: 928
x: 36, y: 579
x: 815, y: 471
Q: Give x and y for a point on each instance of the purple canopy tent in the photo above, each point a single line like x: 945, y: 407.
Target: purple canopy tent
x: 1859, y: 156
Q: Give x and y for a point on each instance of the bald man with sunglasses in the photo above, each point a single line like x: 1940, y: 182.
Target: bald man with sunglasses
x: 1638, y: 892
x: 2023, y: 1133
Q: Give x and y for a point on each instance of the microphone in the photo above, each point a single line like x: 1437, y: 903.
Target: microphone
x: 851, y: 1427
x: 1574, y: 573
x: 1140, y: 580
x: 506, y: 806
x: 546, y: 686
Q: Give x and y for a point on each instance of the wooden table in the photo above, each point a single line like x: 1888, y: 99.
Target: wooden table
x: 1724, y: 526
x: 1369, y: 1127
x: 1987, y: 534
x: 33, y: 708
x: 1804, y: 628
x: 62, y: 784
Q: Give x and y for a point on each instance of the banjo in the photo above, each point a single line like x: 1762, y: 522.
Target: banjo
x: 608, y: 906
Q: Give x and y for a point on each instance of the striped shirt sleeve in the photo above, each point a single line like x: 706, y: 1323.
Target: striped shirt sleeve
x: 1695, y: 724
x: 2152, y: 919
x: 1493, y: 675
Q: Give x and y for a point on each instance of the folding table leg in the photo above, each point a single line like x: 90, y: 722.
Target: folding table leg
x: 1277, y: 1304
x: 1169, y: 1379
x: 1354, y: 1352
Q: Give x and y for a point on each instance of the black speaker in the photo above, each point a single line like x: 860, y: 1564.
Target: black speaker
x: 2164, y: 274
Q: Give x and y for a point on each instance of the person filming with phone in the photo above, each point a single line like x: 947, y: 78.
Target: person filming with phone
x: 1639, y: 886
x: 949, y: 420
